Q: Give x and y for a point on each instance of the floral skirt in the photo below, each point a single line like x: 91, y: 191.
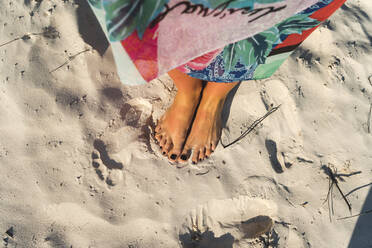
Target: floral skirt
x: 214, y: 40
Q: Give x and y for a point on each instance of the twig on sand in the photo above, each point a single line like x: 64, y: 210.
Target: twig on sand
x: 347, y: 175
x: 24, y: 37
x: 329, y: 199
x: 70, y: 58
x: 356, y: 215
x: 358, y: 188
x: 338, y: 187
x: 333, y: 181
x: 370, y: 80
x: 48, y: 32
x: 202, y: 173
x: 253, y: 126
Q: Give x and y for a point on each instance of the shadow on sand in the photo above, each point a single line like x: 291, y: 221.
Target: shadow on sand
x: 206, y: 240
x: 362, y: 237
x: 89, y: 27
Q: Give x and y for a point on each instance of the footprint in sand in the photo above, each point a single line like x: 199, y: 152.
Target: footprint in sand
x: 286, y: 235
x: 284, y: 142
x: 137, y: 112
x: 107, y: 169
x: 227, y: 223
x: 135, y: 119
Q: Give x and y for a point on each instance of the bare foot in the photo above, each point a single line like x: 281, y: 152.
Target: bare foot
x: 174, y: 125
x: 206, y: 129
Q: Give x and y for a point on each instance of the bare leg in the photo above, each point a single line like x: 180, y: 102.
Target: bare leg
x: 173, y: 126
x: 206, y: 128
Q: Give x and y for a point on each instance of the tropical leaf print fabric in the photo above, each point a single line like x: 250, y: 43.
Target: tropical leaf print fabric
x: 214, y: 40
x: 123, y: 17
x: 246, y: 55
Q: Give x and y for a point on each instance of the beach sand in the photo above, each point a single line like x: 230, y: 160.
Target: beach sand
x: 79, y: 166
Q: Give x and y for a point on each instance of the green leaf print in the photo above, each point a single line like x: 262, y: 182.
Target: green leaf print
x: 296, y: 24
x: 254, y: 50
x: 263, y: 44
x: 229, y: 55
x: 125, y: 16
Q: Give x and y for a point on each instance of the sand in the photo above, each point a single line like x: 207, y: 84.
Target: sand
x: 79, y: 167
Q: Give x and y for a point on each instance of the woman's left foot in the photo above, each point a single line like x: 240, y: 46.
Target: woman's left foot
x: 206, y: 129
x: 173, y: 126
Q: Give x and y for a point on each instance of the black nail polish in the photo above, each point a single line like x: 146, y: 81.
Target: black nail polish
x: 193, y: 162
x: 183, y: 157
x: 161, y: 147
x: 173, y: 156
x: 163, y: 153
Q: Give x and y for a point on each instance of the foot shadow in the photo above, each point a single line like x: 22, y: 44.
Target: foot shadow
x: 272, y: 150
x: 206, y: 240
x: 228, y: 102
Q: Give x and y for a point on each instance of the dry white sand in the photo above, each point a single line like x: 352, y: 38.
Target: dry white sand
x: 78, y: 167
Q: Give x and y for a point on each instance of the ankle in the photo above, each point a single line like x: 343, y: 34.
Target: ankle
x: 184, y: 83
x: 212, y: 102
x: 193, y: 93
x: 218, y: 90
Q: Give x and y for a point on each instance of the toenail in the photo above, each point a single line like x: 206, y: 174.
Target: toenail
x: 163, y: 153
x: 173, y: 156
x: 183, y: 157
x: 193, y: 162
x: 161, y: 147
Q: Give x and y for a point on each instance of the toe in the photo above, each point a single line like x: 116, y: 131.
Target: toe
x: 185, y: 154
x: 214, y: 145
x: 158, y: 137
x: 174, y: 153
x: 167, y: 146
x: 157, y: 129
x: 162, y: 142
x: 201, y: 154
x: 183, y: 157
x: 172, y: 157
x: 158, y: 125
x: 208, y: 152
x: 195, y: 156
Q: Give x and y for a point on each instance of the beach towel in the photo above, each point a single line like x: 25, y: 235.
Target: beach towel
x: 214, y: 40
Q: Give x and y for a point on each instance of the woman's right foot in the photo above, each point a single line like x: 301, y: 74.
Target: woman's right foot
x: 173, y: 126
x: 206, y: 128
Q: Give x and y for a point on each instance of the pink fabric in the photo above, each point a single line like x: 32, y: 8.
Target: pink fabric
x: 183, y: 37
x: 201, y: 62
x: 144, y: 52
